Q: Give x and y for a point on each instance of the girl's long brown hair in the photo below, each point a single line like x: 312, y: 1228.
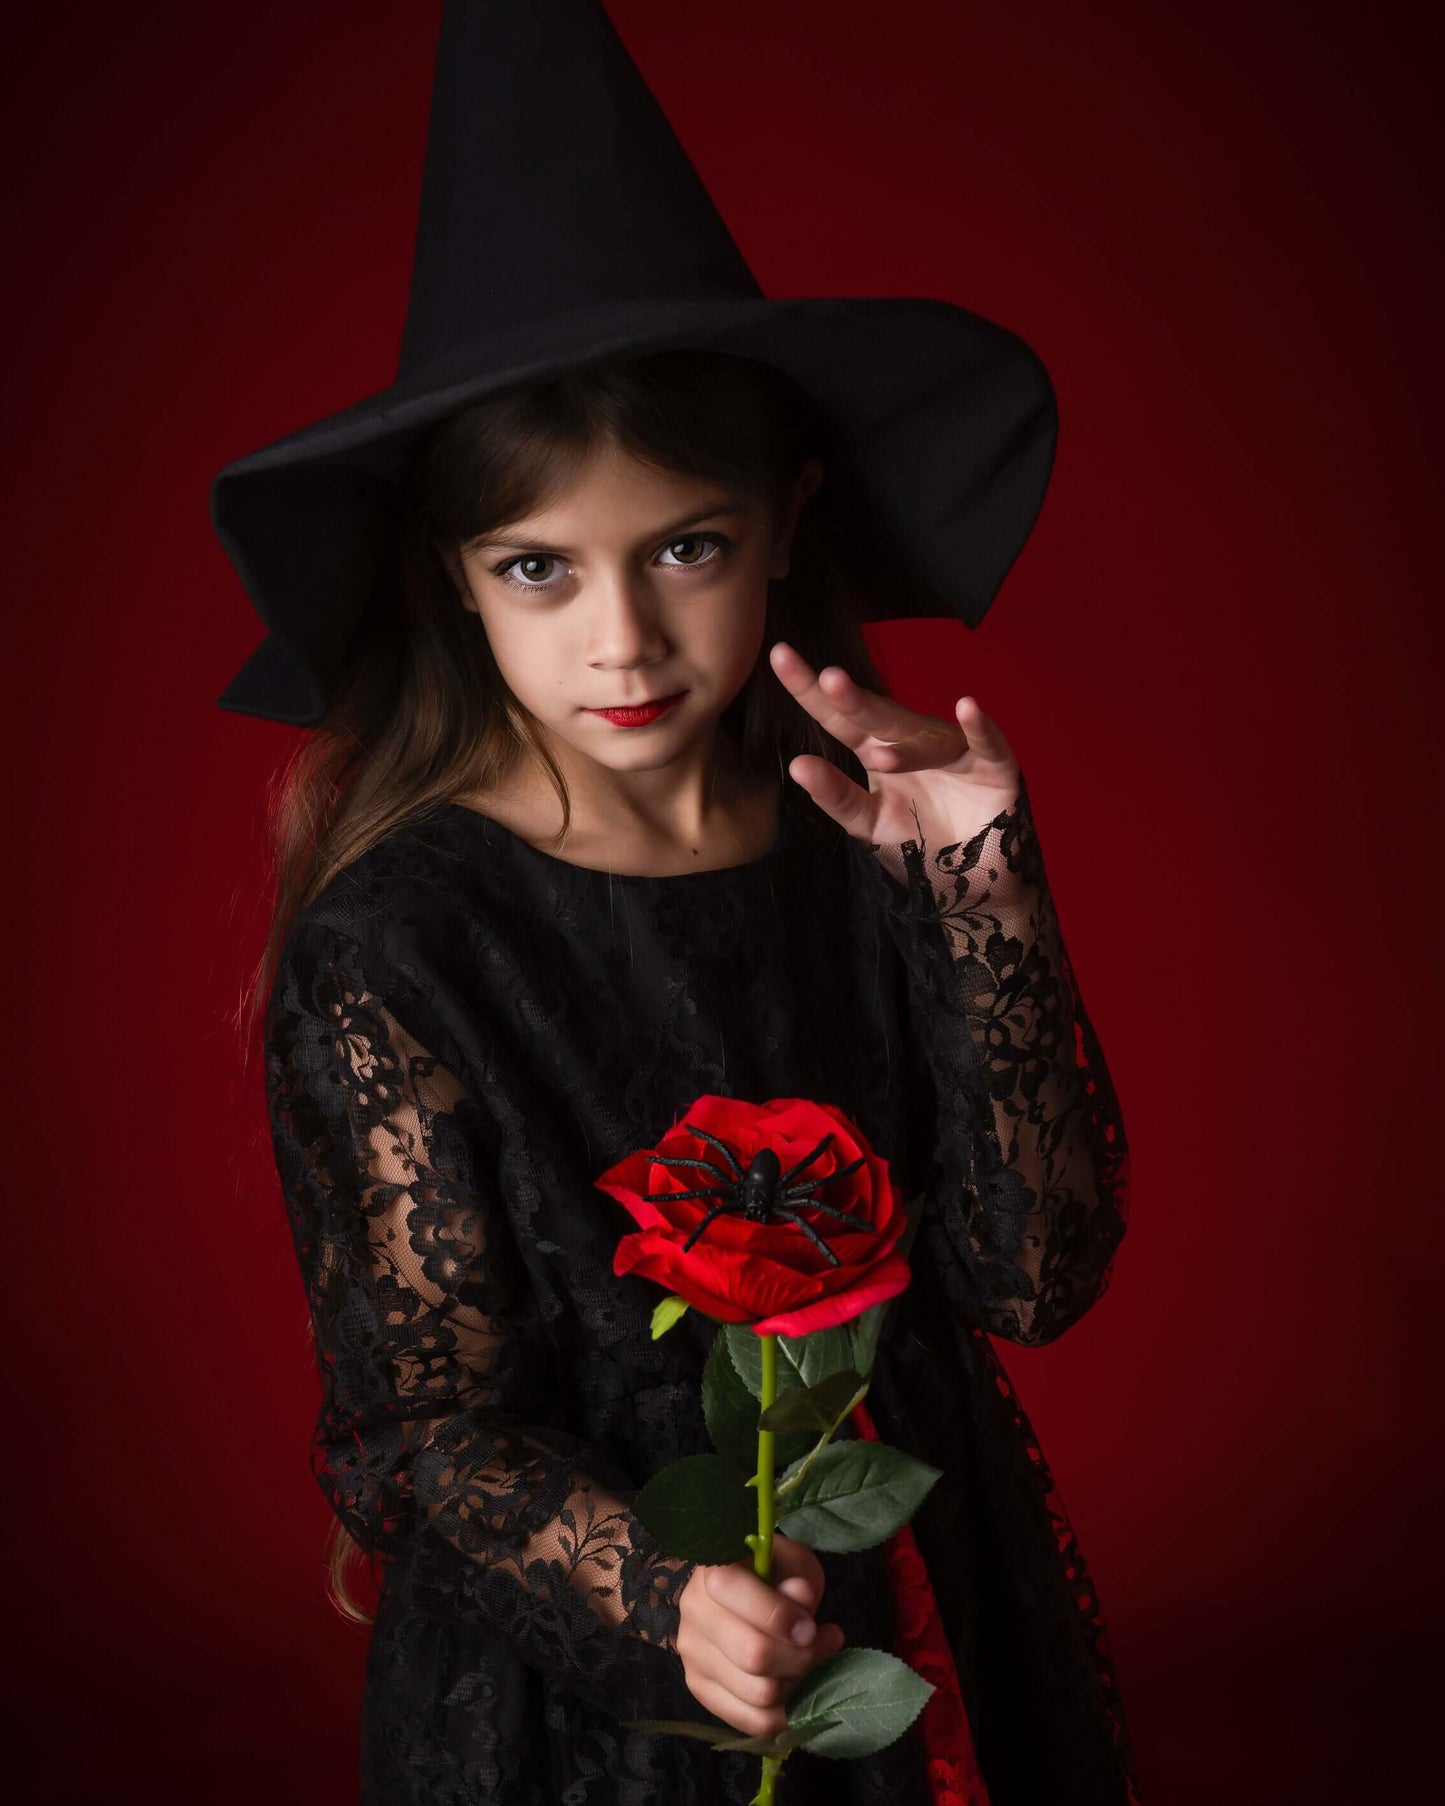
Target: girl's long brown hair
x: 420, y: 714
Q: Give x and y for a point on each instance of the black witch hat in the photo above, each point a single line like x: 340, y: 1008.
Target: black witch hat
x: 562, y: 225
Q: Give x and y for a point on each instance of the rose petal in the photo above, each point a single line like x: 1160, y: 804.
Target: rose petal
x: 650, y: 1257
x: 883, y: 1282
x: 751, y: 1284
x: 643, y: 1211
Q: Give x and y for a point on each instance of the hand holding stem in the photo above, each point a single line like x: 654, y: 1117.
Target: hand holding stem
x: 762, y: 1543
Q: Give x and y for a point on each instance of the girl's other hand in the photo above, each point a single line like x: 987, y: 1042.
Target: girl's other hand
x: 943, y: 780
x: 739, y: 1637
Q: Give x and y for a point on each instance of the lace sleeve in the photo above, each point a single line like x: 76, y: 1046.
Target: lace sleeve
x: 434, y: 1417
x: 1031, y: 1165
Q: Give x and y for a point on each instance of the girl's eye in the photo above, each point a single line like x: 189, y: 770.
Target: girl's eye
x: 525, y: 565
x: 698, y: 539
x: 532, y: 558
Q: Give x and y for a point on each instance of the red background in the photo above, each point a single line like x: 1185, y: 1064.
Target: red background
x: 1212, y: 660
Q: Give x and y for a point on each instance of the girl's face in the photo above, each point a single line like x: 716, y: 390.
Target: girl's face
x: 636, y: 584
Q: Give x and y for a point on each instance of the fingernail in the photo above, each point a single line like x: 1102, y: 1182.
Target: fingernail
x: 805, y: 1630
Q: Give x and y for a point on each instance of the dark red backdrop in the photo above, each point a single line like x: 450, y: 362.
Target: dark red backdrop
x: 1212, y: 659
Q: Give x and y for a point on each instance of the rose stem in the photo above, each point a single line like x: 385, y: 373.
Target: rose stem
x: 772, y: 1768
x: 763, y: 1553
x: 763, y: 1548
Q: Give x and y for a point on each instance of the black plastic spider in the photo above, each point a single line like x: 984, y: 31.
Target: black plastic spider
x: 754, y: 1193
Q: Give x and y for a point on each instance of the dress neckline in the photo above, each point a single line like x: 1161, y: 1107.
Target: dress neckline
x: 497, y: 832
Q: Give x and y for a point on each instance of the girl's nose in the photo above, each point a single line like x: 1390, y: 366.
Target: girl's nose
x: 624, y: 628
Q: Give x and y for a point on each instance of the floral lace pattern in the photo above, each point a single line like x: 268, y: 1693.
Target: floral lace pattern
x: 1037, y: 1208
x: 1031, y: 1166
x: 416, y: 1299
x: 463, y: 1031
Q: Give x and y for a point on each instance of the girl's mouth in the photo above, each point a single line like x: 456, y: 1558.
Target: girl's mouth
x: 639, y: 717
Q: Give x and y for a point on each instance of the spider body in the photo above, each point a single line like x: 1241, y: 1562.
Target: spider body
x: 764, y: 1193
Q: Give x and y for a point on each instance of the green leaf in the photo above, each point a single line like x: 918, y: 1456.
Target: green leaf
x: 812, y: 1408
x: 745, y: 1350
x: 817, y: 1356
x: 717, y: 1734
x: 730, y: 1409
x: 666, y: 1314
x: 864, y: 1332
x: 864, y: 1699
x: 699, y: 1508
x: 802, y: 1360
x: 790, y: 1739
x: 915, y: 1208
x: 732, y: 1416
x: 854, y: 1495
x: 866, y: 1328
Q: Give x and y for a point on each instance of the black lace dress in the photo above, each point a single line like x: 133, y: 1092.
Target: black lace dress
x: 464, y: 1032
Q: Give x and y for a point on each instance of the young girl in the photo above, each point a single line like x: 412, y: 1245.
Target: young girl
x: 607, y: 808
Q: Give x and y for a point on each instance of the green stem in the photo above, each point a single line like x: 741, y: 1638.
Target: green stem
x: 763, y: 1543
x: 763, y: 1550
x: 795, y: 1479
x: 772, y: 1768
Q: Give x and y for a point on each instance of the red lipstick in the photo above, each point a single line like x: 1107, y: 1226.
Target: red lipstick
x: 639, y: 717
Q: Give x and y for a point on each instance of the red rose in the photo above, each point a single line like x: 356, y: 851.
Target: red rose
x: 770, y: 1273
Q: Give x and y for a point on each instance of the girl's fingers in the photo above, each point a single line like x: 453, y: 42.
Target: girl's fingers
x: 835, y: 793
x: 760, y: 1673
x: 747, y: 1721
x: 799, y: 1587
x: 759, y: 1606
x: 848, y: 711
x: 928, y: 747
x: 984, y: 735
x: 797, y: 1571
x: 753, y: 1665
x: 886, y: 736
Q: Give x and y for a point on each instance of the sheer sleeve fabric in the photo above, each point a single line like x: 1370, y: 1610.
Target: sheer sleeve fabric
x: 434, y: 1417
x: 1031, y: 1166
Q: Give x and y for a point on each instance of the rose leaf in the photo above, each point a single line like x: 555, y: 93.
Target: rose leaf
x: 816, y: 1408
x: 699, y: 1508
x: 864, y: 1331
x: 802, y: 1360
x: 717, y: 1734
x: 666, y: 1314
x: 865, y: 1699
x: 790, y: 1739
x: 854, y: 1495
x: 731, y: 1413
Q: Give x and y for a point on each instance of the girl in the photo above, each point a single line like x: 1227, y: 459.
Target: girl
x: 606, y: 808
x: 517, y: 937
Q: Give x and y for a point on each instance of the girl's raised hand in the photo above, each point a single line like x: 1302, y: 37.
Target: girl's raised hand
x: 930, y: 779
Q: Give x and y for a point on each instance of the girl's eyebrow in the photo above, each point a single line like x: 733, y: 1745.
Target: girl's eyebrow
x: 492, y: 541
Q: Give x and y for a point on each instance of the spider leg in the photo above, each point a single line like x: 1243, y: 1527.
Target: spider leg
x: 807, y: 1160
x: 692, y: 1160
x: 831, y: 1210
x: 721, y: 1146
x: 785, y: 1211
x: 827, y: 1178
x: 708, y: 1191
x: 717, y: 1210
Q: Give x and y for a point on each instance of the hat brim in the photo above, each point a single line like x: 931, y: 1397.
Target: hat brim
x: 947, y: 423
